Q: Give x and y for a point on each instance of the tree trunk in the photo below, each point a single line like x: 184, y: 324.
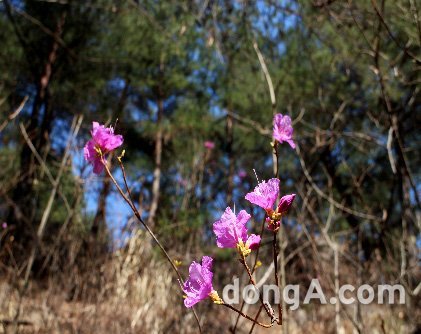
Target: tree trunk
x: 99, y: 221
x: 38, y: 132
x: 158, y: 159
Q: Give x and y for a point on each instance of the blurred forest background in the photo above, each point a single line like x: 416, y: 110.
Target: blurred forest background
x: 176, y: 74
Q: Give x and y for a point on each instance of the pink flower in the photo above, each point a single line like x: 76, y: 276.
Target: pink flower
x: 274, y: 219
x: 4, y: 225
x: 282, y: 129
x: 242, y: 174
x: 210, y: 145
x: 231, y: 231
x: 285, y: 203
x: 199, y: 284
x: 253, y: 241
x: 103, y: 141
x: 265, y: 194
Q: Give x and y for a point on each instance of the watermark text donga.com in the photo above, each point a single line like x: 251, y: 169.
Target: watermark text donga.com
x: 365, y: 294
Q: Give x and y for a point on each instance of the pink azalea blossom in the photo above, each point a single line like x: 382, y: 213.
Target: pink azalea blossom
x: 103, y: 140
x: 210, y: 145
x: 253, y: 241
x: 284, y: 205
x: 4, y: 225
x: 282, y: 129
x: 199, y: 284
x: 265, y: 194
x: 242, y: 174
x: 231, y: 231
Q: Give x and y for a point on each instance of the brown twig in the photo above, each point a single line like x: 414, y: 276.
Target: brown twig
x: 252, y: 271
x: 267, y: 76
x: 330, y: 199
x: 129, y: 201
x: 275, y: 264
x: 14, y: 114
x: 247, y: 317
x: 382, y: 20
x: 274, y: 243
x: 255, y: 319
x: 252, y: 281
x: 275, y: 159
x: 77, y: 121
x: 276, y: 172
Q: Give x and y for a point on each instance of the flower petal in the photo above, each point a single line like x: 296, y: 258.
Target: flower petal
x: 253, y: 241
x: 285, y: 203
x: 264, y: 194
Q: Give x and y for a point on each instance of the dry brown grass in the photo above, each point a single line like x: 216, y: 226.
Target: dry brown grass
x: 137, y: 294
x: 135, y: 291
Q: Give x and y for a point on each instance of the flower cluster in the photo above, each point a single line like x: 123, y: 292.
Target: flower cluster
x: 231, y: 229
x: 265, y: 196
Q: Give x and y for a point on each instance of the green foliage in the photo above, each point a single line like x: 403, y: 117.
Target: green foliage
x: 120, y: 60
